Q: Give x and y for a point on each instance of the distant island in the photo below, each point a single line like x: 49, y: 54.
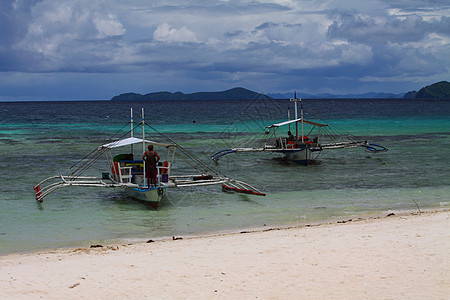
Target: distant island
x: 237, y: 93
x: 369, y: 95
x: 439, y: 90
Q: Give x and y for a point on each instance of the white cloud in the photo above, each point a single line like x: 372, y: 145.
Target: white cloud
x: 109, y: 27
x: 166, y: 33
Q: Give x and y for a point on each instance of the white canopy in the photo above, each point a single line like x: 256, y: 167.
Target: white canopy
x: 294, y: 121
x: 132, y: 141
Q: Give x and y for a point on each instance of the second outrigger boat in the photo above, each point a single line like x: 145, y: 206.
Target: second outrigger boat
x: 127, y: 172
x: 305, y: 145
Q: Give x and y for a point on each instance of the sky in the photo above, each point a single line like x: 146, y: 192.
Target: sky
x: 94, y: 50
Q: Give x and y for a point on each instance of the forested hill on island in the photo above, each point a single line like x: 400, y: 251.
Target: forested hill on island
x: 232, y: 94
x: 439, y: 90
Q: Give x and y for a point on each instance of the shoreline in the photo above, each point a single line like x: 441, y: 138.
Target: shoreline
x: 263, y: 228
x: 404, y: 256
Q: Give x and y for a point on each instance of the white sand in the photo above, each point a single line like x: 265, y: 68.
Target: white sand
x: 397, y: 257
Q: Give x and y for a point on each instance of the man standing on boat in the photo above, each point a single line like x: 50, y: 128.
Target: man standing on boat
x: 151, y: 158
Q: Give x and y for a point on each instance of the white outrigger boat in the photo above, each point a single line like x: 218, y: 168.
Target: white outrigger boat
x: 300, y: 147
x: 124, y: 171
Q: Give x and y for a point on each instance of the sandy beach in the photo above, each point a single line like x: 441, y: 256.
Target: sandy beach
x: 402, y: 256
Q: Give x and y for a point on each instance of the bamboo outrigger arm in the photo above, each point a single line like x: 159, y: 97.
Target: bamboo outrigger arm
x: 228, y: 184
x: 241, y: 187
x: 218, y: 155
x: 66, y: 181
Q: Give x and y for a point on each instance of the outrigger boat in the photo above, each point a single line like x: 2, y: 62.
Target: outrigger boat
x: 127, y: 172
x: 301, y: 148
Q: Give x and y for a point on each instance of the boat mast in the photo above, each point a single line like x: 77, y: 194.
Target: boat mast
x: 131, y: 127
x: 143, y: 146
x: 289, y: 118
x: 301, y: 113
x: 295, y: 100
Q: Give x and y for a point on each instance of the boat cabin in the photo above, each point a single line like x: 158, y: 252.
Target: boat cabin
x: 126, y: 169
x: 297, y: 139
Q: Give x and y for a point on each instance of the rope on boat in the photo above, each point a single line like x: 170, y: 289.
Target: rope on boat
x: 87, y: 161
x: 334, y: 134
x: 238, y: 186
x: 205, y: 168
x: 337, y: 136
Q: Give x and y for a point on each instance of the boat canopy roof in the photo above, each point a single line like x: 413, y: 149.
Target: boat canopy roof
x: 295, y: 121
x: 131, y: 141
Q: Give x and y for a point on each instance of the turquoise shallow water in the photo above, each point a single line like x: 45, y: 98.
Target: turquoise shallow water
x: 40, y: 139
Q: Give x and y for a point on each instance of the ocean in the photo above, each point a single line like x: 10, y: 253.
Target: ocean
x: 42, y: 139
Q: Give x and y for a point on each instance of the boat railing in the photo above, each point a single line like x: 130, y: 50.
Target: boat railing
x: 281, y: 143
x: 284, y: 143
x: 125, y: 175
x: 163, y: 172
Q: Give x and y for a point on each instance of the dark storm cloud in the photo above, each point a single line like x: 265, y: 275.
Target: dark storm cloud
x: 369, y: 30
x: 13, y: 20
x: 14, y: 17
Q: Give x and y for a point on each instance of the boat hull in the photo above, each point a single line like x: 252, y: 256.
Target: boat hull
x: 302, y: 156
x: 151, y: 196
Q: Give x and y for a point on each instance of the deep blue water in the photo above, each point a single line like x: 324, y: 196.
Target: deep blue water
x: 41, y: 139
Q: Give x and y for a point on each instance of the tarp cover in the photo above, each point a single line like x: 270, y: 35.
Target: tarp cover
x: 131, y: 141
x: 296, y: 120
